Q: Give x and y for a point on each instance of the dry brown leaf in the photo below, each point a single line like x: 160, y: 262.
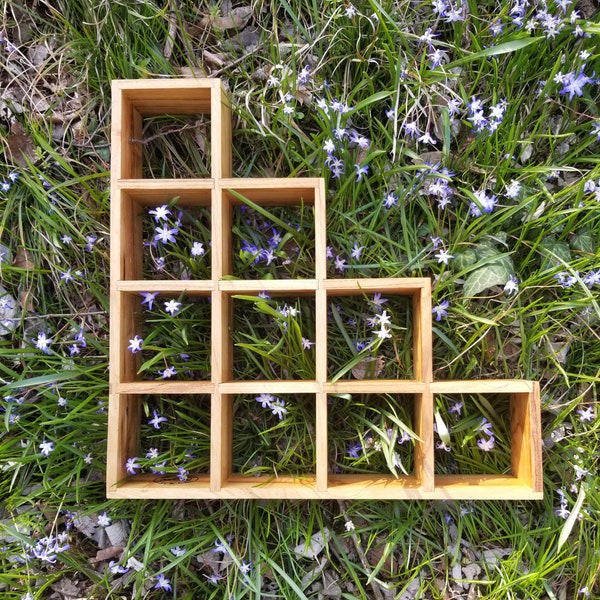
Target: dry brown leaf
x: 192, y: 72
x: 303, y: 95
x: 236, y: 19
x: 106, y: 554
x: 23, y: 259
x: 212, y: 58
x: 20, y: 146
x: 26, y: 301
x: 369, y: 366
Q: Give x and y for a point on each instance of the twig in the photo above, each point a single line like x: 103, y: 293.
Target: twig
x: 166, y: 132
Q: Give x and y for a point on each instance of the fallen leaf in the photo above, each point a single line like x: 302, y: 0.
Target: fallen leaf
x: 20, y: 146
x: 26, y: 301
x: 371, y: 367
x: 330, y: 585
x: 23, y: 259
x: 493, y: 555
x: 9, y: 312
x: 471, y: 571
x: 313, y: 547
x: 213, y: 58
x: 237, y: 19
x: 66, y: 588
x: 135, y: 564
x: 192, y: 72
x: 38, y: 54
x: 118, y: 533
x: 107, y: 554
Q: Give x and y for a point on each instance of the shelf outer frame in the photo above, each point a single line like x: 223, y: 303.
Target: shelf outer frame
x: 132, y: 101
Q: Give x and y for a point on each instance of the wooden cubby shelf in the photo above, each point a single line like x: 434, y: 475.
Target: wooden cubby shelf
x: 209, y: 398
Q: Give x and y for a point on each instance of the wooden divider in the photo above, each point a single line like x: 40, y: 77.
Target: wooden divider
x: 220, y: 194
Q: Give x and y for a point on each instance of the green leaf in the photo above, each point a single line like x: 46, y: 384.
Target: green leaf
x: 570, y: 522
x: 442, y: 430
x: 42, y: 380
x: 556, y: 253
x: 505, y: 48
x: 495, y: 273
x: 377, y: 97
x: 465, y: 259
x: 583, y: 241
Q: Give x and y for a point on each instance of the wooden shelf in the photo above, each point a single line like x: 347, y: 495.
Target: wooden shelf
x: 218, y: 198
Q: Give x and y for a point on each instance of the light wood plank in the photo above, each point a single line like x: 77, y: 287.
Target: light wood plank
x: 285, y: 287
x: 483, y: 386
x: 264, y: 192
x: 483, y: 487
x: 422, y: 334
x: 165, y: 387
x: 407, y: 287
x: 526, y: 438
x: 321, y: 442
x: 375, y: 386
x: 424, y: 450
x: 154, y: 192
x: 154, y: 97
x: 122, y: 437
x: 220, y: 135
x: 269, y: 387
x: 190, y: 287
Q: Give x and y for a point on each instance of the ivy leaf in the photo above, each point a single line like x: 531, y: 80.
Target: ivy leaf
x: 465, y: 259
x: 583, y: 241
x: 557, y: 253
x: 495, y: 273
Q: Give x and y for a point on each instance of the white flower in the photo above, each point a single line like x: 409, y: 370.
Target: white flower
x: 172, y: 306
x: 443, y: 256
x: 46, y: 447
x: 383, y: 333
x: 197, y: 249
x: 512, y: 285
x: 104, y: 520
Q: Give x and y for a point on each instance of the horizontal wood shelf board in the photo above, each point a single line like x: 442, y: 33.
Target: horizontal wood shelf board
x: 142, y: 200
x: 376, y: 386
x: 165, y: 387
x: 273, y: 184
x: 482, y: 386
x: 408, y: 286
x: 292, y: 286
x: 270, y: 197
x: 487, y: 480
x: 156, y: 97
x: 148, y: 187
x: 192, y: 287
x: 268, y: 387
x: 371, y: 481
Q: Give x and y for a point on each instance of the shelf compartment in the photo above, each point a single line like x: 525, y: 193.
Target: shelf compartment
x: 519, y: 404
x: 145, y: 351
x: 413, y: 299
x: 134, y: 101
x: 277, y: 223
x: 153, y: 246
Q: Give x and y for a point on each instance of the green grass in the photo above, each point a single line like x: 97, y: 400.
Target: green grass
x: 54, y: 239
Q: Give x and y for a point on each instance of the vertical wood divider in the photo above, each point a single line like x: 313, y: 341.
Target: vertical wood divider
x: 423, y: 350
x: 322, y: 467
x: 221, y: 427
x: 525, y: 437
